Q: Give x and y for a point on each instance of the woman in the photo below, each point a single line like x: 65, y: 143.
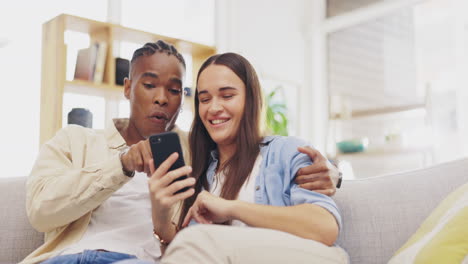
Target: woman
x: 241, y: 179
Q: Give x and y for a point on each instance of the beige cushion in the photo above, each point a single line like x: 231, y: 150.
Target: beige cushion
x: 443, y: 236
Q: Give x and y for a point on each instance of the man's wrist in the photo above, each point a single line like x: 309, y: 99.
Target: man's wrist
x: 125, y: 171
x: 340, y: 179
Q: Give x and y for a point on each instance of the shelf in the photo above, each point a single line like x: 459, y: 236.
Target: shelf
x: 54, y: 64
x: 386, y: 150
x: 81, y: 83
x: 379, y: 111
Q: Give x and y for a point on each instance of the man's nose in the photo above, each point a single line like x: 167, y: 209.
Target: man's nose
x: 160, y: 96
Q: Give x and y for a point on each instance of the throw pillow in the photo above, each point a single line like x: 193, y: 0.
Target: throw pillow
x: 443, y: 236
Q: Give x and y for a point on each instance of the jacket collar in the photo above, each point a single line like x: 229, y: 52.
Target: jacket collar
x: 265, y: 141
x: 113, y: 136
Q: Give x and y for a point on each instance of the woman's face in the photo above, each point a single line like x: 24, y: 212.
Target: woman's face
x: 221, y: 94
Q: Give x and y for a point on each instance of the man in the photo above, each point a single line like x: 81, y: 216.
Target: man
x: 88, y: 189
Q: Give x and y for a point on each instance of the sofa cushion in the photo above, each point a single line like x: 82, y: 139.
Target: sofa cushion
x: 381, y: 213
x: 18, y: 238
x: 443, y: 237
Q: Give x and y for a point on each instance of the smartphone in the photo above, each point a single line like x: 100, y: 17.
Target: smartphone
x: 162, y: 146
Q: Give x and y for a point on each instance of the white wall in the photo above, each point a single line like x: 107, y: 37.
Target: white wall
x: 272, y: 35
x: 267, y: 32
x: 20, y: 72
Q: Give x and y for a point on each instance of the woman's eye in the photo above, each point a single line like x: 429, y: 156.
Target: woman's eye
x: 228, y: 96
x: 204, y: 100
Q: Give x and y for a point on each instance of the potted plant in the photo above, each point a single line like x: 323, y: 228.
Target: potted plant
x: 276, y: 120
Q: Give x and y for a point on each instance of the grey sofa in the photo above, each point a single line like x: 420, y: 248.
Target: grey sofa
x: 379, y: 213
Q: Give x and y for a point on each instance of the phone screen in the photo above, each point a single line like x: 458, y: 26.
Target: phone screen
x: 162, y: 146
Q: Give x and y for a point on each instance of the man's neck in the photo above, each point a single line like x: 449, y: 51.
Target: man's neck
x: 128, y: 131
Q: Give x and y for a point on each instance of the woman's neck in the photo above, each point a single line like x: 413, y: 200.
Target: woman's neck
x: 225, y: 153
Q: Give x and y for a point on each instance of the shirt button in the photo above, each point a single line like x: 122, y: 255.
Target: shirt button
x: 257, y: 188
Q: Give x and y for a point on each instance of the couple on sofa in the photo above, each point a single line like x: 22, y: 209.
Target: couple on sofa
x: 256, y: 199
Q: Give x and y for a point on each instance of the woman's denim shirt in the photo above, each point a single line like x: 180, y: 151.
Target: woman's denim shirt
x: 275, y: 184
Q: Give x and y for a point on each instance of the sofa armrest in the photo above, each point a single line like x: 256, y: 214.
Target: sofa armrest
x: 18, y: 238
x: 381, y: 213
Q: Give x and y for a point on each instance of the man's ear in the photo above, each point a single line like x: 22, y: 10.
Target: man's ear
x: 127, y: 87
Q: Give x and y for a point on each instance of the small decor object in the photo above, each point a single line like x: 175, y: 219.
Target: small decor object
x: 188, y: 91
x: 353, y: 145
x: 99, y: 67
x: 86, y: 63
x: 80, y: 116
x: 122, y: 67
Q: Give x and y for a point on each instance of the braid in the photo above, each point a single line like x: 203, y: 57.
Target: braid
x: 160, y: 46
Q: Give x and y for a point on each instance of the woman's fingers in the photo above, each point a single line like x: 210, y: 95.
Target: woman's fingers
x: 151, y: 167
x: 188, y: 217
x: 182, y: 196
x: 165, y: 166
x: 177, y: 185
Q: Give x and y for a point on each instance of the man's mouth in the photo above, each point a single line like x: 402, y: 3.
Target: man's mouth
x: 159, y: 116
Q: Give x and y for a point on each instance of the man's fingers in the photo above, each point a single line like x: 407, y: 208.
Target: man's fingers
x: 320, y: 187
x: 316, y: 167
x: 147, y: 155
x: 315, y: 186
x: 328, y: 192
x: 300, y: 179
x: 314, y: 154
x: 138, y: 164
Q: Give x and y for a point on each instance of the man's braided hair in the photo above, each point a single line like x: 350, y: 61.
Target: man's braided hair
x: 159, y: 46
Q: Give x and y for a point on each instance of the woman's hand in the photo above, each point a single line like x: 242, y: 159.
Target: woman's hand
x: 209, y: 209
x: 162, y: 188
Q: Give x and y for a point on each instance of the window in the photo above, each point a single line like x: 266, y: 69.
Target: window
x: 20, y: 67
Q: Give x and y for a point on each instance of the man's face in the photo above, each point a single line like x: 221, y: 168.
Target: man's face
x: 155, y: 92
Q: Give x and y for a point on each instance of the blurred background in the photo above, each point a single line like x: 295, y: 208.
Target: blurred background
x: 378, y: 86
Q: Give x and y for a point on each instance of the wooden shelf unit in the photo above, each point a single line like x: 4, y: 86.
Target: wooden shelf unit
x: 54, y: 63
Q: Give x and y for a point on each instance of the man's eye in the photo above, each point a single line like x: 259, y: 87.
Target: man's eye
x: 148, y: 85
x: 175, y: 91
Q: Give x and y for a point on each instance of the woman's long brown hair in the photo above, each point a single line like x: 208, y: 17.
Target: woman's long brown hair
x: 239, y: 166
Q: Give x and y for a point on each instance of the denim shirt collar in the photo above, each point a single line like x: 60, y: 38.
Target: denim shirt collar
x: 214, y: 156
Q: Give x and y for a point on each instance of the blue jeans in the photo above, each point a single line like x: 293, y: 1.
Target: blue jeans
x: 89, y: 256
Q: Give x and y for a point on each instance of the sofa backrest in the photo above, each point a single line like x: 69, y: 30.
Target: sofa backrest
x: 381, y: 213
x: 17, y: 237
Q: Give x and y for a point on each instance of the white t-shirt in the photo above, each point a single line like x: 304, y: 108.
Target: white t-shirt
x: 122, y: 223
x: 247, y: 191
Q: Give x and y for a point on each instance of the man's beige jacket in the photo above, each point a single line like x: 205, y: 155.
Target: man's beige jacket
x: 74, y: 173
